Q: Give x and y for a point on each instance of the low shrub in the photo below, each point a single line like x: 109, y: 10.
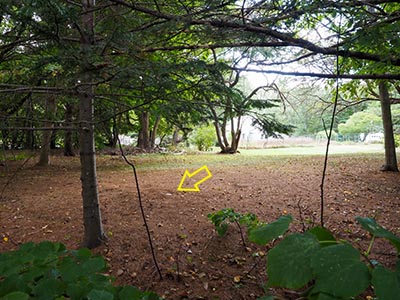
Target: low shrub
x: 48, y: 271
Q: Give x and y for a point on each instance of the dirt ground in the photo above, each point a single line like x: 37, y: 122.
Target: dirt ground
x: 45, y: 204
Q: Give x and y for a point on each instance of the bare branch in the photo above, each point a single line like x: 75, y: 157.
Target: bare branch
x: 322, y: 75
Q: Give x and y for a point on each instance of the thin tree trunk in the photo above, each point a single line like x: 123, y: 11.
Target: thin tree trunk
x: 116, y: 121
x: 44, y: 159
x: 175, y: 137
x: 224, y: 137
x: 153, y: 133
x: 235, y: 135
x: 238, y: 133
x: 68, y: 143
x: 53, y: 140
x: 29, y: 135
x: 93, y: 229
x: 219, y: 138
x: 390, y: 149
x: 144, y: 138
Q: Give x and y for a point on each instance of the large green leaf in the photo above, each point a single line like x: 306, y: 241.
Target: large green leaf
x: 10, y: 284
x: 130, y: 293
x: 79, y: 289
x: 82, y: 253
x: 398, y: 270
x: 16, y: 296
x: 70, y: 270
x: 339, y: 271
x: 386, y: 284
x: 323, y: 296
x: 289, y: 263
x: 377, y: 230
x: 48, y: 289
x: 94, y: 265
x: 100, y: 295
x: 324, y: 236
x: 265, y: 233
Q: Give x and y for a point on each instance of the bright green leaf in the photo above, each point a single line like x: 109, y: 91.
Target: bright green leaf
x: 265, y: 233
x: 289, y: 263
x: 377, y: 230
x: 221, y: 229
x: 386, y: 284
x: 324, y: 236
x: 339, y: 271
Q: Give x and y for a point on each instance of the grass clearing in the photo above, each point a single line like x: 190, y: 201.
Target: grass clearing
x: 246, y: 157
x: 317, y: 150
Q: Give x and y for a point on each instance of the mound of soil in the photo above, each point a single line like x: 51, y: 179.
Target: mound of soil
x: 45, y: 204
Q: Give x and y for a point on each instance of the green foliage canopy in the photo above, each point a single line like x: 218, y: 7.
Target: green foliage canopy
x: 361, y: 122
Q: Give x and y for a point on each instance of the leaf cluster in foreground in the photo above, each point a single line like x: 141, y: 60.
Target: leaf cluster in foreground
x: 48, y: 271
x: 315, y: 264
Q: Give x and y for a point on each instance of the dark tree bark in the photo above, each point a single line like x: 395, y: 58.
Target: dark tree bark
x: 390, y: 149
x: 114, y: 134
x: 44, y: 159
x: 144, y: 137
x: 29, y: 134
x: 153, y: 133
x: 93, y: 228
x: 68, y: 142
x: 53, y: 140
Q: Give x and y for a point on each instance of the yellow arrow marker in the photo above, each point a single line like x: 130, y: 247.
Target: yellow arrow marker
x: 196, y: 185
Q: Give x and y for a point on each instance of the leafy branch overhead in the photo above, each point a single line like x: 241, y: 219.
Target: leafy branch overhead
x: 279, y: 24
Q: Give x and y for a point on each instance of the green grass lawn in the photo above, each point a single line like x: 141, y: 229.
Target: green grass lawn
x: 317, y: 150
x: 270, y: 156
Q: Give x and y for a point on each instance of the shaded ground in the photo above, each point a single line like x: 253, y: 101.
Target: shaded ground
x: 45, y: 204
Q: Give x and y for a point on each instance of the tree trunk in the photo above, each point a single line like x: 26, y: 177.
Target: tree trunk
x: 153, y: 133
x: 29, y: 135
x: 115, y: 132
x: 53, y: 139
x: 175, y: 137
x: 93, y: 228
x: 226, y: 144
x: 44, y: 159
x: 144, y: 137
x: 235, y: 135
x: 390, y: 149
x: 68, y: 144
x: 220, y: 131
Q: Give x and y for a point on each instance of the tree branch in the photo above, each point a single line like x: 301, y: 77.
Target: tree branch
x: 322, y: 75
x: 266, y: 31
